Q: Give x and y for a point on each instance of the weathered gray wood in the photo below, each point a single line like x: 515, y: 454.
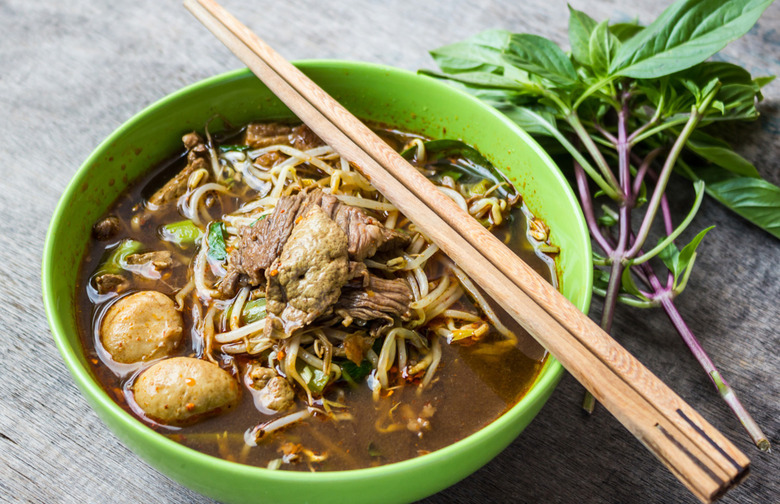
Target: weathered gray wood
x: 73, y: 71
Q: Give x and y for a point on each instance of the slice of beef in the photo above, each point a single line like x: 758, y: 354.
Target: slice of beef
x: 365, y: 233
x: 306, y: 280
x: 380, y: 299
x: 262, y: 243
x: 231, y: 282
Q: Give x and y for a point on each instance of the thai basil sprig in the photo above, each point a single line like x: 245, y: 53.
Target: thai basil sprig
x: 630, y: 105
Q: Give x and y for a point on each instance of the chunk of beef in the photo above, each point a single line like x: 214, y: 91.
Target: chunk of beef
x: 109, y: 282
x: 150, y: 265
x: 304, y: 138
x: 355, y: 347
x: 192, y: 140
x: 107, y: 228
x: 270, y: 159
x: 381, y: 299
x: 259, y: 135
x: 196, y: 159
x: 306, y: 280
x: 159, y: 260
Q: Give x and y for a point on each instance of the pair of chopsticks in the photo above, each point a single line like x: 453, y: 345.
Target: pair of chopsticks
x: 700, y: 456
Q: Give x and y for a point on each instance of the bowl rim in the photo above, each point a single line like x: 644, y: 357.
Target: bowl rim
x: 547, y: 378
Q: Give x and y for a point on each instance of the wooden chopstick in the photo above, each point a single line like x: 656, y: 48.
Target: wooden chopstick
x: 700, y: 456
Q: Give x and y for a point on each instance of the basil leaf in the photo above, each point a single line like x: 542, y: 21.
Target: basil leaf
x: 482, y: 52
x: 686, y: 33
x: 624, y: 31
x: 676, y: 260
x: 763, y: 81
x: 669, y: 255
x: 726, y: 73
x: 606, y: 220
x: 537, y: 121
x: 482, y: 79
x: 738, y: 91
x: 739, y: 101
x: 602, y: 48
x: 580, y: 27
x: 687, y: 253
x: 436, y: 150
x: 216, y: 239
x: 600, y: 278
x: 754, y: 199
x: 628, y: 286
x: 540, y: 56
x: 720, y: 153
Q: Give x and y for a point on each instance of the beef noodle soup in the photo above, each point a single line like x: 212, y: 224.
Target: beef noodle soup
x: 258, y: 300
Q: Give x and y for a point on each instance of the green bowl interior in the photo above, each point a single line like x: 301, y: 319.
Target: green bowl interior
x: 387, y: 95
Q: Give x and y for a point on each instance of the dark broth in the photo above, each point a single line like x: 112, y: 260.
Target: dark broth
x: 472, y: 386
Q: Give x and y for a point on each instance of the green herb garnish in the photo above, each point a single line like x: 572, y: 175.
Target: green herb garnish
x: 183, y: 233
x: 354, y: 373
x: 229, y: 148
x: 117, y: 259
x: 217, y: 250
x: 627, y: 107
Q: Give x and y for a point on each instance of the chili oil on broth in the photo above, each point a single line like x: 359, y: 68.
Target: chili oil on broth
x: 472, y: 386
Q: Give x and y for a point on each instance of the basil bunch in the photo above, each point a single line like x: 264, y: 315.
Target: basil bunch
x: 630, y: 105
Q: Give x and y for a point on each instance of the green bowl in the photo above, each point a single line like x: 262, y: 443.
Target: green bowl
x: 377, y: 93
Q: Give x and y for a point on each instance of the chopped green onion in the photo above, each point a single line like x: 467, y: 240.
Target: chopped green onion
x: 373, y: 450
x: 183, y: 233
x: 315, y: 379
x: 254, y: 310
x: 480, y: 187
x: 259, y: 219
x: 228, y: 148
x: 117, y: 260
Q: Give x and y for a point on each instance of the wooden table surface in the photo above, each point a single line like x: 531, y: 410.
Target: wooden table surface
x: 71, y: 72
